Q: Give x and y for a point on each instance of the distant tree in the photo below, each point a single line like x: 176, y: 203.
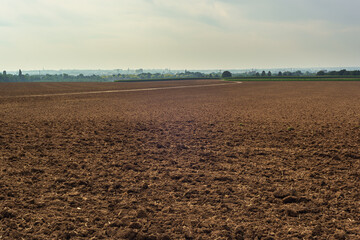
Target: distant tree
x: 3, y: 77
x: 257, y: 74
x: 21, y: 76
x: 263, y: 74
x: 280, y: 74
x: 226, y: 74
x: 139, y: 71
x: 342, y: 72
x: 199, y: 74
x: 298, y: 73
x: 145, y: 75
x: 356, y: 72
x: 269, y: 74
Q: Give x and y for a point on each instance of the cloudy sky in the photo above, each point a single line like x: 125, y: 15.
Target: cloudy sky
x: 186, y: 34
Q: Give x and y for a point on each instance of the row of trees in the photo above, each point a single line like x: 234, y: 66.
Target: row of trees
x: 278, y: 74
x: 343, y: 72
x: 227, y: 74
x: 4, y: 77
x: 186, y: 74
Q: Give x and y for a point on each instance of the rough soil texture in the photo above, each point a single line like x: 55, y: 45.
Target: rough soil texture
x: 264, y: 160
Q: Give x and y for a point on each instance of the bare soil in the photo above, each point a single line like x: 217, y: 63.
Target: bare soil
x: 257, y: 160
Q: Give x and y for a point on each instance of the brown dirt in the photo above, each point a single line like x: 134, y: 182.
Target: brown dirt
x: 265, y: 160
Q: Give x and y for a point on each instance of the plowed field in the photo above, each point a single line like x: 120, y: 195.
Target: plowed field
x: 256, y: 160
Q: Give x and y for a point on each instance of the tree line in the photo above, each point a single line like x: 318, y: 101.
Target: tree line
x: 180, y: 75
x: 276, y: 74
x: 342, y: 72
x: 20, y: 77
x: 298, y: 73
x: 264, y: 74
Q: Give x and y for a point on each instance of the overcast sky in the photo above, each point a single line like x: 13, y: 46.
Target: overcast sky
x: 186, y: 34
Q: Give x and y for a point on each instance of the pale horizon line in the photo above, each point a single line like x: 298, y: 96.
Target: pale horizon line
x: 179, y: 69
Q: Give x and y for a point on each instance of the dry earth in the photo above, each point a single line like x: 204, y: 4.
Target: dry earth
x: 264, y: 160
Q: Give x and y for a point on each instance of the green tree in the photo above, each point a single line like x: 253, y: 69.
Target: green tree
x: 320, y: 73
x: 263, y: 74
x: 21, y: 76
x: 226, y: 74
x: 3, y: 77
x: 298, y: 73
x: 342, y: 72
x: 269, y: 74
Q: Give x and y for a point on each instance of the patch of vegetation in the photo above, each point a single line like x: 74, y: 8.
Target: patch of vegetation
x: 226, y: 74
x: 341, y: 73
x: 286, y: 79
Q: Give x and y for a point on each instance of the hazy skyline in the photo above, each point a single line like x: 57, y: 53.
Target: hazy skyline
x: 187, y: 34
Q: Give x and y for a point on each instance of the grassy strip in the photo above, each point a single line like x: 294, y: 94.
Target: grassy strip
x: 286, y: 79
